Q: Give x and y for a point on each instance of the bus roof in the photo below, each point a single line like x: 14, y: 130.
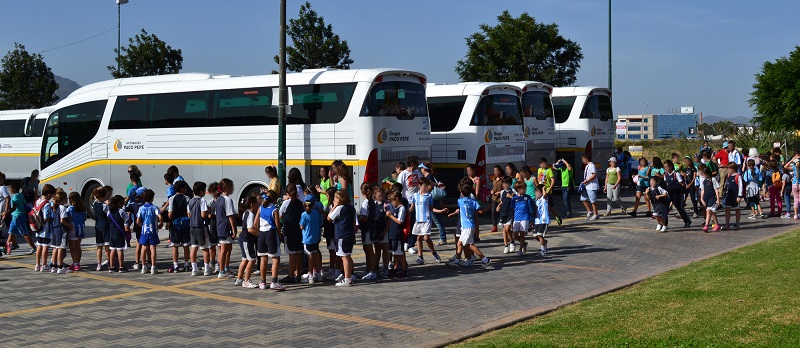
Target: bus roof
x: 575, y: 91
x: 467, y: 88
x: 22, y: 113
x: 525, y: 85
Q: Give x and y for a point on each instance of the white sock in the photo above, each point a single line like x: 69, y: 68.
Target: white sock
x: 175, y: 264
x: 207, y: 266
x: 194, y: 266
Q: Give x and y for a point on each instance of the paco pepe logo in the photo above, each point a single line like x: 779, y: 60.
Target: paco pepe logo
x: 382, y: 136
x: 594, y: 131
x: 488, y: 136
x: 117, y: 145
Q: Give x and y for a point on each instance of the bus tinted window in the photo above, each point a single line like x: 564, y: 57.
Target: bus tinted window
x: 130, y: 112
x: 562, y: 106
x: 597, y: 106
x: 444, y: 112
x: 537, y: 104
x: 497, y: 110
x: 71, y: 128
x: 244, y: 107
x: 38, y: 127
x: 12, y: 128
x: 174, y: 110
x: 315, y: 104
x: 400, y: 99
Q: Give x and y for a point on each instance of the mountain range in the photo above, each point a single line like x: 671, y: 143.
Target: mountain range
x: 736, y: 120
x: 65, y: 87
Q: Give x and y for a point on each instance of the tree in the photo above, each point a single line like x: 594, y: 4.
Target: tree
x: 26, y: 82
x: 518, y: 49
x: 706, y: 129
x: 776, y: 93
x: 147, y: 55
x: 314, y: 45
x: 726, y: 128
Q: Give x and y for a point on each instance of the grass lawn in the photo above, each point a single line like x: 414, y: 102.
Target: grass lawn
x: 748, y: 297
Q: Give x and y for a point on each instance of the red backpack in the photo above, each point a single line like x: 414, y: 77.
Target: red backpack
x: 35, y: 219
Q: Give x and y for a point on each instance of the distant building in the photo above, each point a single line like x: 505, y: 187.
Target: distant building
x: 656, y: 126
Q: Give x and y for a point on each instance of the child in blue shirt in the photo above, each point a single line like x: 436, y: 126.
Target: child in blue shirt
x: 523, y: 214
x: 61, y: 225
x: 19, y: 218
x: 43, y: 207
x: 422, y: 205
x: 148, y: 218
x: 467, y: 210
x: 311, y: 224
x: 77, y: 216
x: 542, y: 219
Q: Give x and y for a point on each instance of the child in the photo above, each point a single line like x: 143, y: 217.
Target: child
x: 334, y: 262
x: 643, y: 175
x: 380, y: 232
x: 310, y: 223
x: 269, y: 241
x: 58, y: 239
x: 753, y: 178
x: 775, y: 189
x: 397, y: 217
x: 324, y: 185
x: 247, y: 243
x: 290, y: 211
x: 132, y: 205
x: 674, y: 185
x: 506, y: 211
x: 226, y: 225
x: 211, y: 223
x: 77, y: 216
x: 523, y: 215
x: 709, y: 197
x: 116, y: 232
x: 366, y: 222
x: 18, y: 227
x: 100, y: 209
x: 659, y: 199
x: 198, y: 230
x: 148, y: 218
x: 541, y: 220
x: 343, y: 216
x: 468, y: 207
x: 734, y: 191
x: 422, y: 205
x: 43, y: 208
x: 179, y: 227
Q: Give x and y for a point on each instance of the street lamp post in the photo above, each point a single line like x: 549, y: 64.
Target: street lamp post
x: 609, y: 44
x: 282, y: 91
x: 119, y: 29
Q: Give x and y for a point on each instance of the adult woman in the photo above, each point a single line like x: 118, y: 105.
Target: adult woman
x: 427, y: 171
x: 294, y: 177
x: 497, y: 186
x: 344, y: 178
x: 133, y: 169
x: 511, y: 171
x: 611, y: 187
x: 274, y: 184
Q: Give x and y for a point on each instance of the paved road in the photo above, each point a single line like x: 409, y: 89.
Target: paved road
x: 435, y: 305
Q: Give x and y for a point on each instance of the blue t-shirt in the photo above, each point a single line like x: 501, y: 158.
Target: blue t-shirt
x: 18, y: 202
x: 542, y: 212
x: 149, y: 215
x: 423, y: 204
x: 78, y: 220
x: 170, y: 191
x: 47, y: 214
x: 311, y: 227
x: 467, y: 208
x: 523, y: 208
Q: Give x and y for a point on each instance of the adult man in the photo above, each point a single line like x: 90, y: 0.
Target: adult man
x: 566, y: 184
x: 590, y: 187
x: 734, y: 156
x: 30, y: 187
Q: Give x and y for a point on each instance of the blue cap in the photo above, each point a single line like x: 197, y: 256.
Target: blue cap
x: 140, y: 191
x: 725, y: 144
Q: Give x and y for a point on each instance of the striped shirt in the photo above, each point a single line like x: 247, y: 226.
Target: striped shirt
x: 542, y: 212
x: 423, y: 203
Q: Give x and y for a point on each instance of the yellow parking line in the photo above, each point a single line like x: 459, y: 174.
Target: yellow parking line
x: 76, y: 303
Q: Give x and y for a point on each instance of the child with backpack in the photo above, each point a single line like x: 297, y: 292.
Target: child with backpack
x: 659, y: 199
x: 179, y: 226
x: 732, y: 196
x: 77, y: 215
x: 58, y: 239
x: 198, y: 230
x: 101, y: 196
x: 709, y: 197
x: 753, y: 180
x: 366, y: 223
x: 40, y: 220
x: 132, y: 205
x: 116, y: 233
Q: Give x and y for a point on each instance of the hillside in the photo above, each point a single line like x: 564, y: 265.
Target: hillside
x: 65, y: 87
x: 736, y: 120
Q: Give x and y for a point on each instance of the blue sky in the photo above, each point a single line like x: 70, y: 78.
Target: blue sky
x: 667, y: 54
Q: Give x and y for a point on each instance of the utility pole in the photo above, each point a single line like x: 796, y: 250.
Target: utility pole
x: 282, y: 92
x: 609, y: 45
x: 119, y: 29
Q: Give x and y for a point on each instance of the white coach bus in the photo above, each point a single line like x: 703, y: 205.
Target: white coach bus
x: 540, y: 127
x: 218, y: 126
x: 474, y: 123
x: 20, y: 142
x: 584, y: 124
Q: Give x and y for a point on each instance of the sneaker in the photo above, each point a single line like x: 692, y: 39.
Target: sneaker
x: 195, y: 272
x: 144, y: 269
x: 391, y: 264
x: 716, y: 228
x: 558, y: 220
x: 216, y: 267
x: 33, y: 251
x: 401, y: 275
x: 647, y: 214
x: 288, y: 279
x: 658, y: 227
x: 312, y: 279
x: 238, y: 282
x: 208, y: 271
x: 486, y: 264
x: 249, y: 285
x: 786, y: 216
x: 370, y: 276
x: 494, y: 229
x: 797, y: 217
x: 542, y: 252
x: 221, y: 275
x: 262, y: 286
x: 339, y: 277
x: 632, y: 214
x: 437, y: 258
x: 624, y: 211
x: 524, y: 248
x: 405, y: 246
x: 752, y: 217
x: 725, y: 227
x: 687, y: 224
x: 180, y: 269
x: 122, y: 270
x: 764, y: 216
x: 467, y: 263
x: 607, y: 213
x: 110, y: 270
x: 8, y: 249
x: 664, y: 229
x: 735, y: 227
x: 135, y: 266
x: 37, y: 268
x: 412, y: 251
x: 345, y: 282
x: 568, y: 214
x: 588, y: 216
x: 512, y: 248
x: 53, y: 269
x: 276, y: 287
x: 153, y: 270
x: 62, y: 270
x: 505, y: 249
x: 519, y: 252
x: 454, y: 262
x: 705, y: 228
x: 98, y: 268
x: 76, y: 267
x: 695, y: 216
x: 420, y: 261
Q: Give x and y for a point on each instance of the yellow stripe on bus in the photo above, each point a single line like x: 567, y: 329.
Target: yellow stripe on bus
x: 294, y: 163
x: 19, y: 155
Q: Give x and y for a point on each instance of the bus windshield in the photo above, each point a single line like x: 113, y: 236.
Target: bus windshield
x: 562, y: 106
x: 70, y: 128
x: 497, y: 110
x: 597, y: 106
x: 401, y: 99
x: 537, y: 104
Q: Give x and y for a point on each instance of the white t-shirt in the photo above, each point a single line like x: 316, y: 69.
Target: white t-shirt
x: 410, y: 181
x: 5, y: 198
x: 250, y: 218
x: 229, y: 208
x: 203, y: 206
x: 335, y: 213
x: 587, y: 172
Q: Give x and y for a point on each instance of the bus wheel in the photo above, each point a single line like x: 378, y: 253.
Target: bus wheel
x: 247, y: 192
x: 87, y: 199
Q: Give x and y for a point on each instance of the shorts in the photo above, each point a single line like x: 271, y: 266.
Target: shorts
x: 78, y: 233
x: 331, y: 242
x: 421, y: 228
x: 375, y: 237
x: 366, y: 237
x: 589, y: 195
x: 198, y: 237
x: 311, y: 249
x: 730, y: 202
x: 269, y: 244
x: 247, y: 244
x: 641, y: 188
x: 396, y: 247
x: 59, y: 239
x: 226, y: 240
x: 540, y: 230
x: 344, y: 247
x: 506, y: 220
x: 466, y: 237
x: 520, y: 226
x: 212, y: 237
x: 293, y: 242
x: 660, y: 210
x: 18, y: 226
x: 178, y: 238
x: 149, y: 239
x: 101, y: 236
x: 753, y: 201
x: 117, y: 241
x: 41, y: 241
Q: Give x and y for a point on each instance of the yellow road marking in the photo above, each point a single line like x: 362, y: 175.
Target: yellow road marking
x: 76, y: 303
